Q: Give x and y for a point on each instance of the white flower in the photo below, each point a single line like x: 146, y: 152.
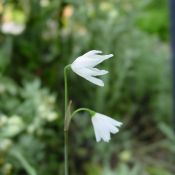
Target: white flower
x: 103, y: 126
x: 84, y: 66
x: 12, y: 28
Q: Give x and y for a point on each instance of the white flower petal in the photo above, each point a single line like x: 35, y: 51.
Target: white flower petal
x: 90, y: 62
x: 103, y: 127
x: 92, y: 52
x: 82, y: 72
x: 97, y: 59
x: 97, y: 72
x: 91, y: 71
x: 95, y: 80
x: 86, y: 73
x: 110, y: 120
x: 96, y: 129
x: 103, y: 130
x: 84, y: 66
x: 113, y: 129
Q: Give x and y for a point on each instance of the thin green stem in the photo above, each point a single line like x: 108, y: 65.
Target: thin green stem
x: 65, y: 88
x: 66, y: 153
x: 66, y: 160
x: 83, y: 109
x: 66, y: 166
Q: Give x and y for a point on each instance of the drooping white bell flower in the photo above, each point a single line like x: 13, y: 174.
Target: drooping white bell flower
x: 84, y: 66
x: 103, y: 126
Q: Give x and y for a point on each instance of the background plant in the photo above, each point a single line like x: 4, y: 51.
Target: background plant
x: 138, y: 90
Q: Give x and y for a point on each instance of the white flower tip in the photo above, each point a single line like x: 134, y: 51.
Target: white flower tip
x: 101, y: 84
x: 119, y: 123
x: 103, y: 72
x: 105, y: 57
x: 107, y: 140
x: 98, y: 139
x: 96, y: 81
x: 104, y: 139
x: 110, y: 55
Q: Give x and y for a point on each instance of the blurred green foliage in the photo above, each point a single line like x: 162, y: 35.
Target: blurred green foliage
x: 137, y: 91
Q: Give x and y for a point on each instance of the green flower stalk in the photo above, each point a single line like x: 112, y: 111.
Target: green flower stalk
x: 66, y: 121
x: 103, y: 125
